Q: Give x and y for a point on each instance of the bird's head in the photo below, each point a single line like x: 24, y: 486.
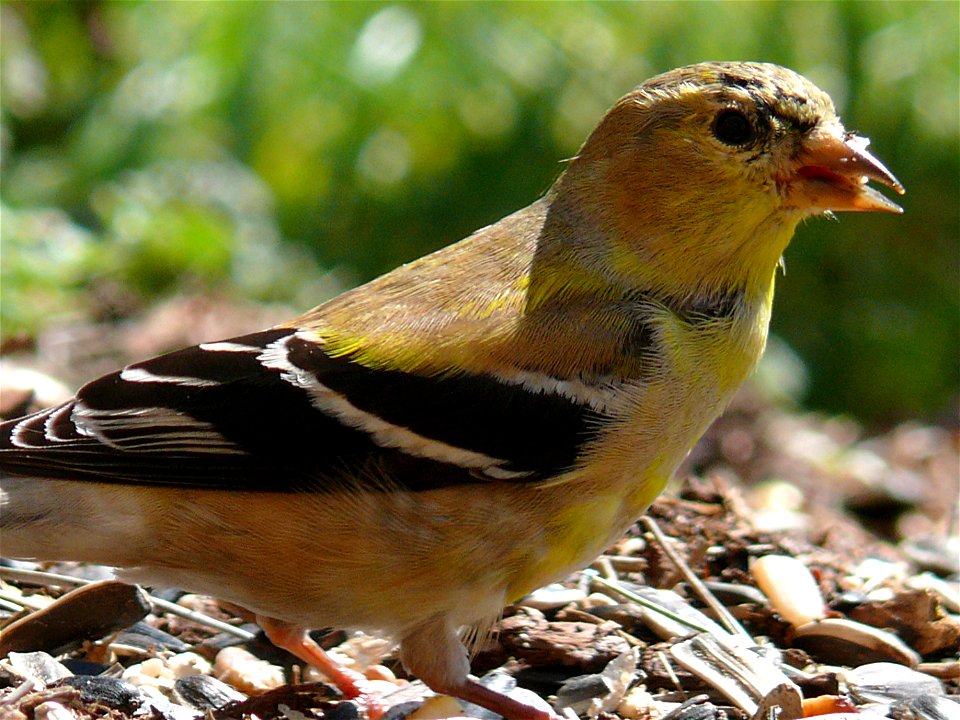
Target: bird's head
x: 698, y: 178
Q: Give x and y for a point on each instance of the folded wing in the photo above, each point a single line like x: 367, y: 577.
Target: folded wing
x: 272, y: 411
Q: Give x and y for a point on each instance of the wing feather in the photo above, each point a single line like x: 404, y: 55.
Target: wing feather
x: 272, y: 411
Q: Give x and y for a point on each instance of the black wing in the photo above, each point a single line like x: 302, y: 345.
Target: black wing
x: 272, y: 411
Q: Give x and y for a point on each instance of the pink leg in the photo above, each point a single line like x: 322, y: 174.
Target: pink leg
x: 295, y: 640
x: 433, y: 652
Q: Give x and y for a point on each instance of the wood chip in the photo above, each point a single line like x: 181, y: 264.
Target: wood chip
x: 87, y: 613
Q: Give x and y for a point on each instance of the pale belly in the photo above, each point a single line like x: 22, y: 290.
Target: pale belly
x: 378, y: 561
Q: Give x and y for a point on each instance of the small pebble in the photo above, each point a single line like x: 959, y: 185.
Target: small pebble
x: 246, y: 672
x: 502, y: 682
x: 378, y: 676
x: 881, y: 595
x: 156, y: 667
x: 597, y: 599
x: 948, y: 592
x: 780, y: 521
x: 152, y: 697
x: 397, y: 711
x: 361, y: 650
x: 24, y: 390
x: 197, y: 603
x: 38, y: 666
x: 553, y: 597
x: 52, y: 711
x: 777, y: 507
x: 380, y: 672
x: 939, y: 554
x: 635, y: 704
x: 188, y: 663
x: 776, y: 495
x: 874, y: 571
x: 791, y: 588
x: 152, y: 672
x: 437, y: 707
x: 631, y: 546
x: 161, y: 707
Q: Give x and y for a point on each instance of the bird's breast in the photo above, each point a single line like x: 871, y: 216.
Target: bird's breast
x: 655, y: 420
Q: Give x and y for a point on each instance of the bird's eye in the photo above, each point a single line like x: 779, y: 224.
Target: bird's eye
x: 732, y: 127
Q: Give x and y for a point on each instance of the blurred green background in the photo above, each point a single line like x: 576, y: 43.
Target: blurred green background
x: 284, y: 151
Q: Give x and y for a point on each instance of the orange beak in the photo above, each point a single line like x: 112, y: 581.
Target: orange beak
x: 832, y: 172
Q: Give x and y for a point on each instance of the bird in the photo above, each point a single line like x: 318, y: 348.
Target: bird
x: 422, y: 450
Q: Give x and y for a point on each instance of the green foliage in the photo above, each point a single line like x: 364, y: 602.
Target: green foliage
x: 222, y: 144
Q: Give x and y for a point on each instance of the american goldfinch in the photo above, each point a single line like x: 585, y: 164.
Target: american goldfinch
x: 416, y: 453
